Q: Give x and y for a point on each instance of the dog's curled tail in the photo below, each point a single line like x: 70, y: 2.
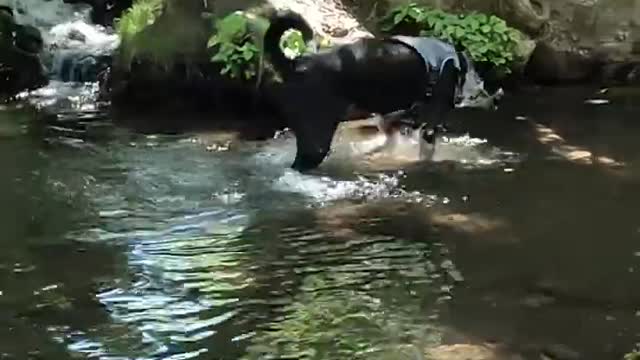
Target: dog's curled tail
x: 279, y: 23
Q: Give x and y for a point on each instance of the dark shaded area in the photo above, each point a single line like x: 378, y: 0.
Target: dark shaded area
x: 20, y: 67
x: 208, y: 99
x: 560, y: 285
x: 48, y: 281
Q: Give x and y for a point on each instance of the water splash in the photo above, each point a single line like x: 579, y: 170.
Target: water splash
x: 472, y: 152
x: 324, y: 189
x: 276, y: 157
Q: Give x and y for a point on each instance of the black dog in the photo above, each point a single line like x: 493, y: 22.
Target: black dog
x: 372, y: 75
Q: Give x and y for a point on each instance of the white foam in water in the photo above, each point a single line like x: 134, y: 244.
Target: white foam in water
x: 46, y: 14
x: 58, y: 95
x: 470, y: 151
x: 321, y: 189
x: 80, y: 36
x: 74, y: 47
x: 328, y: 189
x: 278, y: 154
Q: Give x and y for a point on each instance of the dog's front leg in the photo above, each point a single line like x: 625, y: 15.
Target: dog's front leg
x: 313, y: 112
x: 313, y: 143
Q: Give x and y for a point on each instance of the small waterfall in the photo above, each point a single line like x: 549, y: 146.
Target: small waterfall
x: 80, y: 50
x: 75, y: 49
x: 75, y: 53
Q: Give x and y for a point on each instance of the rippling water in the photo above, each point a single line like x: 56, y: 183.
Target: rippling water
x: 223, y: 246
x: 120, y: 246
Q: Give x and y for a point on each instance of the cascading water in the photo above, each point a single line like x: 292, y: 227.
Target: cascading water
x: 75, y: 48
x: 75, y: 51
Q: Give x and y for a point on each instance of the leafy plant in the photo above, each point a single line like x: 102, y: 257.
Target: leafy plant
x: 485, y: 38
x: 234, y: 46
x: 142, y: 14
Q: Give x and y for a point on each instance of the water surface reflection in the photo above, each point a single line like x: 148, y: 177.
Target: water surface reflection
x: 121, y: 245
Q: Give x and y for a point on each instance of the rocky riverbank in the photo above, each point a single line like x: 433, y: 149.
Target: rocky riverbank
x: 164, y: 58
x: 564, y: 42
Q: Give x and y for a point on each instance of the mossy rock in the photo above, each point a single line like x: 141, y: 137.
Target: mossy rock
x: 163, y: 32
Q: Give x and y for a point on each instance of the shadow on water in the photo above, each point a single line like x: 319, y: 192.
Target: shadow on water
x: 125, y: 245
x: 47, y: 280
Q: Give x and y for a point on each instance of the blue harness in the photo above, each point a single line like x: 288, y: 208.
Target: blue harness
x: 435, y: 53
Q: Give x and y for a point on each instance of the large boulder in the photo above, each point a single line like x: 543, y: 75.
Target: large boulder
x: 20, y: 66
x: 163, y: 66
x: 163, y: 42
x: 581, y: 39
